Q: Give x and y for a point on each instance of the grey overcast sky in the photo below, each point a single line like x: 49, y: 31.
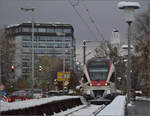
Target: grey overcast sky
x: 105, y: 13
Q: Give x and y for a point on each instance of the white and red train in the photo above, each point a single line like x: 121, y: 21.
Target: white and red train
x: 99, y: 77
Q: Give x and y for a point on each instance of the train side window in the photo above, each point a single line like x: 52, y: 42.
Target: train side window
x: 84, y: 79
x: 112, y: 79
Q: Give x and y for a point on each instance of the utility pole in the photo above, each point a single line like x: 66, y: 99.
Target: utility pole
x: 84, y: 52
x: 84, y: 49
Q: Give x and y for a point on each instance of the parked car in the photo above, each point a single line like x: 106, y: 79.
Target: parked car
x: 37, y: 93
x: 52, y: 93
x: 20, y: 95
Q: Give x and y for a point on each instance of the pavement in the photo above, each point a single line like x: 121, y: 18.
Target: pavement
x: 139, y: 108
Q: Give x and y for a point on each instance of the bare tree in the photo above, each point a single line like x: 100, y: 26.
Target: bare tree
x: 50, y: 66
x: 103, y: 49
x: 141, y: 43
x: 7, y: 50
x: 107, y: 50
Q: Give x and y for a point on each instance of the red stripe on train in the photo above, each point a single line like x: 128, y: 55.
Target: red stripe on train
x: 98, y: 83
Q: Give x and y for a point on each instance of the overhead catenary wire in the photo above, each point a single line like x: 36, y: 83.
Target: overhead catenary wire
x: 83, y: 20
x: 88, y: 0
x: 93, y: 22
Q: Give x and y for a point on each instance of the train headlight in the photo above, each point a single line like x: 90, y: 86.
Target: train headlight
x: 106, y: 84
x: 90, y: 84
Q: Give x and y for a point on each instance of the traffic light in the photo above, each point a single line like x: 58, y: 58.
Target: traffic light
x: 40, y: 68
x: 13, y: 68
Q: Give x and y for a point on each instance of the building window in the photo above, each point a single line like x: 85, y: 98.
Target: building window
x: 42, y: 30
x: 67, y: 45
x: 50, y: 39
x: 26, y: 29
x: 27, y: 38
x: 27, y: 44
x: 50, y: 45
x: 25, y: 70
x: 19, y: 29
x: 67, y: 30
x: 26, y: 64
x: 42, y: 45
x: 35, y: 45
x: 36, y: 38
x: 58, y: 30
x: 42, y: 51
x: 25, y: 76
x: 50, y: 30
x: 68, y: 39
x: 35, y: 29
x: 58, y: 45
x: 58, y: 39
x: 27, y: 58
x: 43, y: 38
x: 26, y: 51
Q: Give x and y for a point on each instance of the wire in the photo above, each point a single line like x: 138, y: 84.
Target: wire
x: 93, y: 22
x: 74, y: 8
x: 87, y: 0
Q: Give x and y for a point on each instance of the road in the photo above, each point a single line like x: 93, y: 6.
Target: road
x: 140, y: 108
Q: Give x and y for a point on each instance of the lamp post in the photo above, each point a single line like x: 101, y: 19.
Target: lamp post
x: 84, y: 51
x: 64, y: 53
x: 32, y: 10
x: 129, y: 8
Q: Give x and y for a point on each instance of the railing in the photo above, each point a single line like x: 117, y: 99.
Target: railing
x: 43, y: 106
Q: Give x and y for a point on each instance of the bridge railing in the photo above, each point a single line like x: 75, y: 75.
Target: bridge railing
x: 47, y: 106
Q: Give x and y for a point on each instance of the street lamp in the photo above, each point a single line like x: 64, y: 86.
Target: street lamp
x: 84, y: 49
x: 129, y: 8
x: 32, y: 10
x: 64, y: 53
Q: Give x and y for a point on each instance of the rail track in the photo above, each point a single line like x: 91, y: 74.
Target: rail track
x: 90, y: 109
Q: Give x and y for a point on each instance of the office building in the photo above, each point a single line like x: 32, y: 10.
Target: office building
x: 48, y: 41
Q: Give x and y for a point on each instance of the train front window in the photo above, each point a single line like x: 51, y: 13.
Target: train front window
x: 98, y: 74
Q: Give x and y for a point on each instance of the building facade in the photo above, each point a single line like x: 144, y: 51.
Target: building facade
x: 49, y: 39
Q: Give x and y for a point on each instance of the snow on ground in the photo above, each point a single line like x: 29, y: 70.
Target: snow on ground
x: 68, y: 111
x: 115, y: 108
x: 82, y: 112
x: 142, y: 98
x: 5, y: 106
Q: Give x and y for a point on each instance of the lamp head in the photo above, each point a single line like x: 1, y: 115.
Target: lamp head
x: 128, y: 5
x: 129, y: 8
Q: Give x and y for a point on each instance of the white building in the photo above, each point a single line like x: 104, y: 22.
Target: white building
x: 115, y: 39
x: 124, y: 50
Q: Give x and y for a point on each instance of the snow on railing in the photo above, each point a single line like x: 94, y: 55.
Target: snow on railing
x: 5, y: 106
x: 115, y: 108
x: 142, y: 98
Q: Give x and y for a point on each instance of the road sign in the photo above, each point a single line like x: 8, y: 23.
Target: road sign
x: 2, y: 87
x: 67, y: 76
x: 4, y: 93
x: 66, y: 83
x: 60, y: 76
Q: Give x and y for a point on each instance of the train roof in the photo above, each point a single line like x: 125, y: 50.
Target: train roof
x: 98, y: 59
